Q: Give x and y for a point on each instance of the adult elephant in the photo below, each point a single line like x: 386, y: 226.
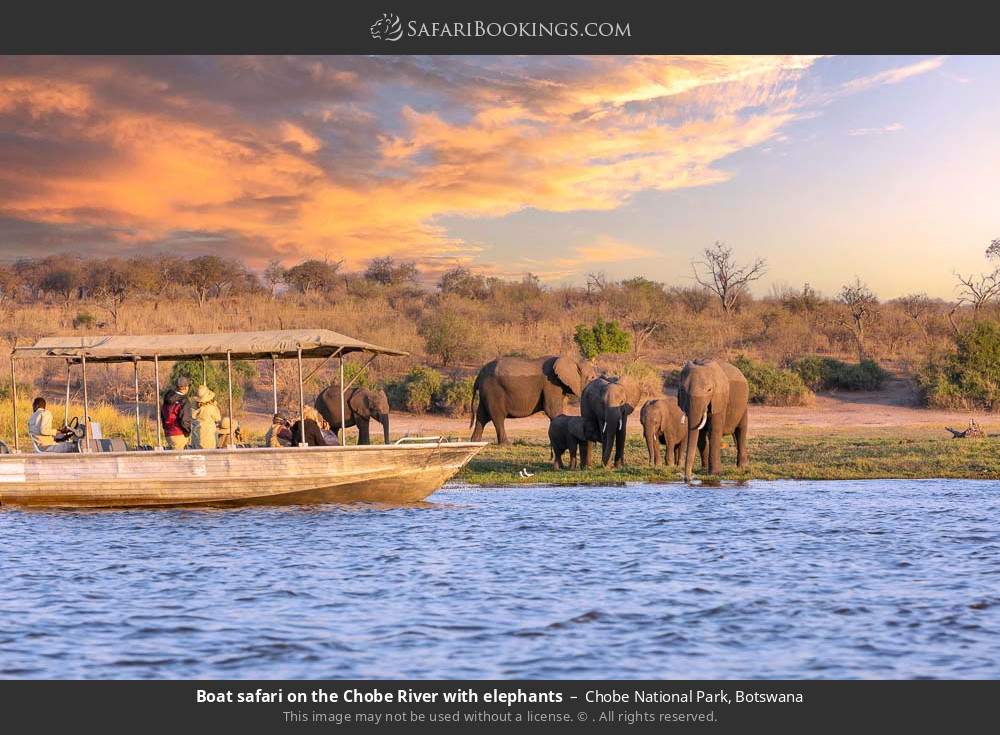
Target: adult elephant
x: 361, y: 406
x: 713, y: 396
x: 516, y: 387
x: 605, y: 407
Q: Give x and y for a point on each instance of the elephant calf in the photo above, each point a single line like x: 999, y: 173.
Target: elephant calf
x: 361, y: 406
x: 664, y: 423
x: 569, y: 432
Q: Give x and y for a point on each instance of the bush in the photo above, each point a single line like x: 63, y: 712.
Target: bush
x: 455, y: 396
x: 773, y: 386
x: 646, y: 379
x: 416, y: 391
x: 84, y: 320
x: 450, y: 336
x: 825, y: 373
x: 968, y: 378
x: 218, y: 378
x: 604, y: 338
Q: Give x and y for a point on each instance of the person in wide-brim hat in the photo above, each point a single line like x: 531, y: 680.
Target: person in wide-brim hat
x: 206, y: 419
x: 204, y: 394
x: 229, y: 433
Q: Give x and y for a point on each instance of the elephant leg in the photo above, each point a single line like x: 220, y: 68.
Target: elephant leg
x: 557, y: 453
x: 742, y: 450
x: 482, y: 418
x: 677, y: 452
x: 669, y: 455
x: 498, y: 412
x: 572, y: 455
x: 584, y: 455
x: 715, y: 449
x: 653, y: 448
x: 702, y: 444
x: 363, y: 437
x: 620, y: 446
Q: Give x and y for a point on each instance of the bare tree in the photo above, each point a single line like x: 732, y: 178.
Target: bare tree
x: 862, y: 311
x: 978, y: 290
x: 720, y: 274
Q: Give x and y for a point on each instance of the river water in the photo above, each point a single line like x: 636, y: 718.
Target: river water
x: 885, y: 579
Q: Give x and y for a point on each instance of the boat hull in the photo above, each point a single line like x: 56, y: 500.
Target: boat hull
x: 392, y: 473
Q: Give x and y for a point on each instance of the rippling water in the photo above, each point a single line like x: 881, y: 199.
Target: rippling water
x: 777, y: 579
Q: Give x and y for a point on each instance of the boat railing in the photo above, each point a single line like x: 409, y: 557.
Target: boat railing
x: 415, y: 439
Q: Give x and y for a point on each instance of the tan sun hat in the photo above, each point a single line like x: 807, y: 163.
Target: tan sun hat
x: 225, y: 426
x: 204, y: 395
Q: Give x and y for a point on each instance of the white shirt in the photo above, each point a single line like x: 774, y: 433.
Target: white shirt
x: 40, y: 427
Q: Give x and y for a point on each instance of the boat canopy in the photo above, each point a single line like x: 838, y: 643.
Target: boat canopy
x: 282, y: 343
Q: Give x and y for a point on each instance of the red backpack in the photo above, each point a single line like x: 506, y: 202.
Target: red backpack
x: 172, y: 418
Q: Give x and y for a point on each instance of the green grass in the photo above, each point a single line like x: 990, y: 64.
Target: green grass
x: 813, y: 457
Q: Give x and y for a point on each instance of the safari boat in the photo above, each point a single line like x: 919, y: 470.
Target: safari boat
x: 107, y: 473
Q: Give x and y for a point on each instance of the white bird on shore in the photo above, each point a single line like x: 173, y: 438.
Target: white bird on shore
x: 524, y: 473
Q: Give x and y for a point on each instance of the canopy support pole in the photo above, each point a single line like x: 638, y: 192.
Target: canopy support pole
x: 138, y: 422
x: 66, y: 409
x: 156, y: 402
x: 13, y: 400
x: 232, y: 419
x: 343, y: 415
x: 274, y: 381
x: 204, y: 370
x: 86, y: 404
x: 302, y: 406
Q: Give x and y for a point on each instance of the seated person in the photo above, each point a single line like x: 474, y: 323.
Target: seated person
x: 229, y: 435
x: 43, y: 436
x: 328, y: 434
x: 313, y: 434
x: 278, y: 434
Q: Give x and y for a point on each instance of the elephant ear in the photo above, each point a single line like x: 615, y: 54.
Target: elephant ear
x: 358, y: 401
x: 568, y: 373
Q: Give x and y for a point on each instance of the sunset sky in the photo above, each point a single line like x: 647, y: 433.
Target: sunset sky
x: 887, y: 168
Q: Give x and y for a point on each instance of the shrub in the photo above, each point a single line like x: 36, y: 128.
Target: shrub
x: 416, y: 391
x: 455, y: 396
x: 603, y: 338
x: 773, y: 386
x: 647, y: 380
x: 449, y: 335
x: 968, y: 378
x: 84, y: 320
x: 218, y: 378
x: 825, y: 373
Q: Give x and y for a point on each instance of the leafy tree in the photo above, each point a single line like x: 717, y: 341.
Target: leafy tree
x: 463, y: 282
x: 212, y: 276
x: 390, y: 272
x: 603, y: 338
x: 313, y: 275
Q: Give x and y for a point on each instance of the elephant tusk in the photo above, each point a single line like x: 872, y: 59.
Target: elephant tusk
x: 619, y: 424
x: 604, y: 427
x: 704, y: 420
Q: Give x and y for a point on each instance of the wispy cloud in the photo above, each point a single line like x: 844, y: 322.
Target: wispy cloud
x: 890, y: 128
x: 892, y: 76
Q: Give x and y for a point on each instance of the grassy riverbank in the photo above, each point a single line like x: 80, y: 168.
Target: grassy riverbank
x: 816, y: 457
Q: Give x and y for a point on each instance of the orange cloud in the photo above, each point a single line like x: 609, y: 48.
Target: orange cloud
x: 586, y: 138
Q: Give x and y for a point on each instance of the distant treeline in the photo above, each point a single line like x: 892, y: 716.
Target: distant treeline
x: 459, y: 319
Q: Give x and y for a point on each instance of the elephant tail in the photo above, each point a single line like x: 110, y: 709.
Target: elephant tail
x: 472, y: 403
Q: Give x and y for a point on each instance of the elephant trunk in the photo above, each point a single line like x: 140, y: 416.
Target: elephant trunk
x: 384, y: 420
x: 696, y: 412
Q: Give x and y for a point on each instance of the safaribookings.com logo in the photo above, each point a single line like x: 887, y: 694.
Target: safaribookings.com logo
x: 390, y: 28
